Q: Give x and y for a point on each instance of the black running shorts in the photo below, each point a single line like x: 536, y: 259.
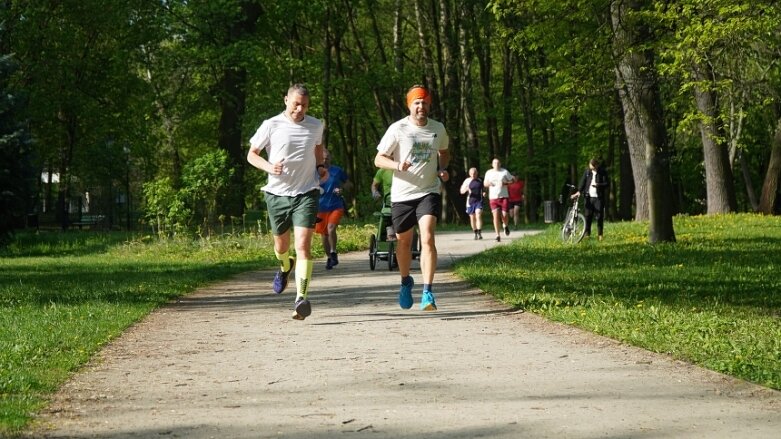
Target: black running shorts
x: 406, y: 214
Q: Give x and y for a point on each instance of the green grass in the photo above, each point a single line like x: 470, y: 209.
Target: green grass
x: 63, y: 296
x: 713, y: 298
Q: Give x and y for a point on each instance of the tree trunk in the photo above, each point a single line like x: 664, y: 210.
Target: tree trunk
x: 483, y: 54
x: 472, y: 146
x: 398, y: 56
x: 451, y: 99
x: 330, y: 43
x: 526, y: 98
x: 66, y: 158
x: 735, y: 130
x: 769, y: 198
x: 718, y: 172
x: 644, y: 124
x: 232, y: 100
x: 425, y: 49
x: 507, y: 105
x: 232, y: 97
x: 628, y: 71
x: 379, y: 101
x: 626, y: 186
x: 750, y: 193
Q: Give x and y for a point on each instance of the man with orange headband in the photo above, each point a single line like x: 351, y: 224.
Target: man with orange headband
x: 415, y: 148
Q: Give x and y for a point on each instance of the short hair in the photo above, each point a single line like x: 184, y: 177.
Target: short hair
x: 299, y: 89
x: 594, y: 163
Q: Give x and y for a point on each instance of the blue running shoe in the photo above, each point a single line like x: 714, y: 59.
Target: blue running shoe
x: 280, y: 278
x: 329, y: 264
x: 334, y: 259
x: 427, y: 302
x: 303, y: 309
x: 405, y: 294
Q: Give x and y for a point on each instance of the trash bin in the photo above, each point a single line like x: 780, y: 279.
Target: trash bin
x: 549, y: 208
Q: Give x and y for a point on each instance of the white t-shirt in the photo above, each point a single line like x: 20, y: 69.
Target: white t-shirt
x: 498, y: 189
x: 405, y: 141
x: 592, y: 189
x: 295, y: 143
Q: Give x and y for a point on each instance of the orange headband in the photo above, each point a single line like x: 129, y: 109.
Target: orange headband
x: 418, y: 93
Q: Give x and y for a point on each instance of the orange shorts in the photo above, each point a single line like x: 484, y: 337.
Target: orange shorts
x: 332, y: 217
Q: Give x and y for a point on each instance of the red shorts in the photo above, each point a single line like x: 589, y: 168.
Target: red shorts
x: 500, y: 203
x: 332, y: 217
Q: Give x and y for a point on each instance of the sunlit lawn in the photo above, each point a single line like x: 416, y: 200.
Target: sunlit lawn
x: 713, y: 298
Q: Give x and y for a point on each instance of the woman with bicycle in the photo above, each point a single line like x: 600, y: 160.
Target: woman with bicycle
x: 593, y: 185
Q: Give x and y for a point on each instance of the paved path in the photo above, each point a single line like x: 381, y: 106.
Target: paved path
x: 229, y: 362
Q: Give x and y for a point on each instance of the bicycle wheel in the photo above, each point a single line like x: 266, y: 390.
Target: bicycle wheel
x: 568, y: 227
x: 578, y: 228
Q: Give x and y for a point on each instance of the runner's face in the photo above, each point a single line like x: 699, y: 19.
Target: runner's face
x: 418, y: 110
x: 296, y: 106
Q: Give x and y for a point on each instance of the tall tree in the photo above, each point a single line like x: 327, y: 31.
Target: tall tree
x: 718, y: 172
x: 230, y: 29
x: 769, y: 200
x: 638, y: 87
x: 715, y: 52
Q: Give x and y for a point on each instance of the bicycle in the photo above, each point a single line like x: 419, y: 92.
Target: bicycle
x: 574, y: 222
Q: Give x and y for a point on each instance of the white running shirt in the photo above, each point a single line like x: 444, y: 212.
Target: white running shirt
x: 498, y: 190
x: 406, y: 141
x: 295, y: 143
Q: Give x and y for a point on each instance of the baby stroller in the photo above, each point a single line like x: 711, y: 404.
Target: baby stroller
x: 382, y: 247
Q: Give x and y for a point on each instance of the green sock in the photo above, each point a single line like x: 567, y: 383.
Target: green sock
x: 303, y: 276
x: 284, y: 259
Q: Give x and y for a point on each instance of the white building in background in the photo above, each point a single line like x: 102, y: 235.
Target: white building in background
x: 76, y: 201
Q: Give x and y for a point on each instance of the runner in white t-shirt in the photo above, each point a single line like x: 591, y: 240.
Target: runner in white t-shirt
x: 496, y: 180
x: 416, y: 149
x: 293, y: 143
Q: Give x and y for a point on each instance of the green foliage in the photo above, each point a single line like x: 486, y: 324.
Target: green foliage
x: 712, y: 298
x: 203, y: 180
x: 150, y: 77
x: 165, y: 209
x: 724, y: 35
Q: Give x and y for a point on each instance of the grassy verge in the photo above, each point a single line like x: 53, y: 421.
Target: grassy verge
x: 63, y: 296
x: 713, y: 298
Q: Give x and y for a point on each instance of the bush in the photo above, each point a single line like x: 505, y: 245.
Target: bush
x: 174, y: 210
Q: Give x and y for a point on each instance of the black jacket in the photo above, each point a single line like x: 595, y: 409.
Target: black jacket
x: 602, y: 182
